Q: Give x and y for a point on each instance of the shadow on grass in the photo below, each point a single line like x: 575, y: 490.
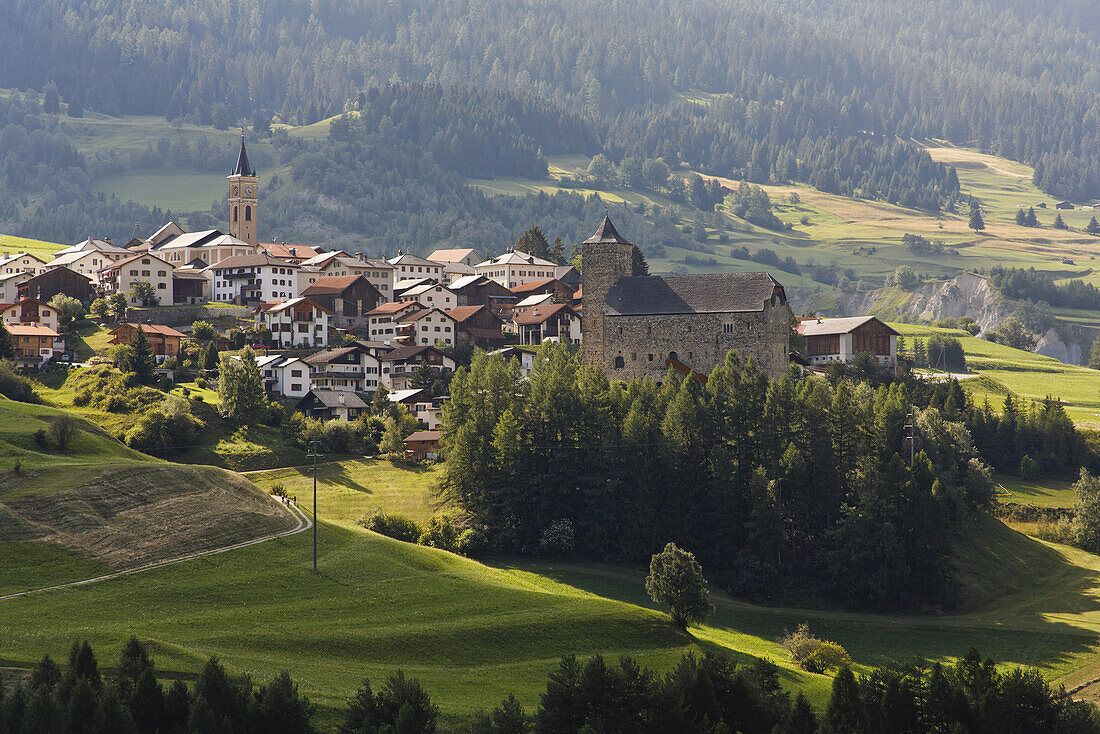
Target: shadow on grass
x: 1018, y: 589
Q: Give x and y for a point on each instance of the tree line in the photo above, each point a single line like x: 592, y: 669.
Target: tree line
x: 707, y: 695
x: 1032, y: 285
x: 776, y: 486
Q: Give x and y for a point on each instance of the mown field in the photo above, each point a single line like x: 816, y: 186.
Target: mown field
x: 1025, y: 375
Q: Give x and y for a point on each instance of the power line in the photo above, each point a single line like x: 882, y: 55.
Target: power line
x: 314, y: 453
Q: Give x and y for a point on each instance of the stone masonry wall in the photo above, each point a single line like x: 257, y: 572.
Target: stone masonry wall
x: 602, y: 266
x: 698, y: 340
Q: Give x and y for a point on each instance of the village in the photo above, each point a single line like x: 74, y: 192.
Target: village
x: 332, y: 329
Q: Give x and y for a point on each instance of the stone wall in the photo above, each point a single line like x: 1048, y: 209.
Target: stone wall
x: 183, y: 315
x: 700, y: 341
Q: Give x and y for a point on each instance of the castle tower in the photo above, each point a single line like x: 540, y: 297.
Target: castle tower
x: 605, y: 257
x: 243, y: 199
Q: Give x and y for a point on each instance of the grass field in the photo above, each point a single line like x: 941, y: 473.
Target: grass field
x: 1040, y: 492
x: 173, y: 191
x: 347, y: 490
x: 38, y: 248
x: 1025, y: 374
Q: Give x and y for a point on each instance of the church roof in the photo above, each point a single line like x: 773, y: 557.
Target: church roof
x: 243, y: 167
x: 606, y: 234
x: 703, y: 293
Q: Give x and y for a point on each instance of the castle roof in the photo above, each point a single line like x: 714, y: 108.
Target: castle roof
x: 703, y: 293
x: 606, y: 234
x: 243, y: 167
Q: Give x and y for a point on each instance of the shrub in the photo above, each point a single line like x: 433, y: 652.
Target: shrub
x: 440, y: 533
x: 1029, y: 468
x: 392, y: 526
x: 472, y: 542
x: 811, y: 653
x: 558, y: 538
x: 278, y: 490
x: 14, y: 386
x: 40, y: 438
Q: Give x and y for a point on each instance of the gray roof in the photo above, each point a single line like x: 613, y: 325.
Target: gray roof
x: 413, y: 260
x: 606, y: 234
x: 704, y: 293
x: 243, y: 168
x: 332, y: 399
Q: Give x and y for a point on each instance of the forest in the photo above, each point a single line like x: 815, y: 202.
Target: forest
x: 1014, y: 78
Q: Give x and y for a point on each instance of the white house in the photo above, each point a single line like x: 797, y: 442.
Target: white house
x: 29, y: 311
x: 411, y: 266
x: 21, y: 262
x: 526, y: 358
x: 253, y: 278
x: 283, y: 375
x: 516, y: 268
x: 378, y: 273
x: 296, y: 322
x: 426, y: 328
x: 119, y: 277
x: 399, y: 366
x: 432, y: 295
x: 463, y: 255
x: 212, y: 246
x: 353, y: 367
x: 9, y: 285
x: 382, y: 321
x: 89, y: 257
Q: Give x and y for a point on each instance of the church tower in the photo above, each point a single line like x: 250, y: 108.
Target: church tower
x: 605, y: 258
x: 243, y: 199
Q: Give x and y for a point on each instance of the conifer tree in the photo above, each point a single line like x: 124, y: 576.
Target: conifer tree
x: 1058, y: 222
x: 142, y: 362
x: 976, y: 222
x: 1021, y: 217
x: 7, y: 348
x: 845, y: 714
x: 1093, y: 227
x: 1030, y: 220
x: 241, y: 388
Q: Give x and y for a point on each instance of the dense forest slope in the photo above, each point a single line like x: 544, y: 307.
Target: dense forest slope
x: 1014, y: 77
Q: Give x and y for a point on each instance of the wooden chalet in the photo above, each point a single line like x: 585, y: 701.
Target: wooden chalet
x: 61, y: 279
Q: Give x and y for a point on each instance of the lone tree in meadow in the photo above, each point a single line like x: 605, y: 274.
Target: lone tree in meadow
x: 1093, y: 227
x: 676, y: 581
x: 976, y: 222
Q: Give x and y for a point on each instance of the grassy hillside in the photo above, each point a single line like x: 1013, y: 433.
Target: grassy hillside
x: 38, y: 248
x: 97, y: 505
x: 1025, y: 374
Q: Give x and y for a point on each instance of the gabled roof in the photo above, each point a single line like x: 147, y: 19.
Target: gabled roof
x: 92, y: 244
x: 169, y: 229
x: 402, y: 353
x: 51, y: 273
x: 336, y: 398
x: 539, y: 314
x: 18, y: 256
x: 127, y: 261
x: 243, y: 167
x: 462, y: 313
x: 188, y: 239
x: 535, y: 299
x: 406, y: 283
x: 606, y: 234
x: 280, y: 249
x: 466, y: 281
x: 159, y: 329
x: 423, y: 436
x: 453, y: 256
x: 71, y: 257
x: 400, y: 396
x: 704, y: 293
x: 178, y: 274
x: 323, y: 257
x: 30, y: 330
x: 821, y: 327
x: 413, y: 260
x: 8, y: 306
x: 327, y: 355
x: 251, y: 261
x: 333, y: 284
x: 515, y: 257
x: 534, y: 285
x: 277, y: 306
x: 9, y: 276
x: 421, y: 314
x: 417, y: 290
x: 393, y: 307
x: 377, y: 262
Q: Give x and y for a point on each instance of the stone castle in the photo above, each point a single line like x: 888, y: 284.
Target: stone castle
x: 638, y: 325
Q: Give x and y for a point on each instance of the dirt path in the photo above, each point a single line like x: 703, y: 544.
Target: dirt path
x: 304, y: 523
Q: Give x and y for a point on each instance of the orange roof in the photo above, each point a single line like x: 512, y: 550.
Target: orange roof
x: 30, y: 330
x: 539, y: 314
x: 279, y: 249
x: 532, y: 285
x: 159, y: 329
x: 461, y: 313
x: 393, y: 307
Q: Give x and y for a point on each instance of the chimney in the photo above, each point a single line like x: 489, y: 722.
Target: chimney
x: 342, y: 399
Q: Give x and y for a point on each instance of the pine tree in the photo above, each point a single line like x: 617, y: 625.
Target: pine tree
x: 392, y: 442
x: 1030, y: 220
x: 1058, y: 222
x: 976, y: 222
x: 845, y: 714
x: 142, y: 362
x: 210, y: 357
x: 1021, y: 217
x: 7, y: 348
x: 1093, y: 227
x: 533, y: 242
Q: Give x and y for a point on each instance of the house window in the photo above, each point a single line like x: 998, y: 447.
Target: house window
x: 234, y: 214
x: 727, y: 328
x: 248, y: 214
x: 673, y: 355
x: 619, y: 364
x: 650, y: 357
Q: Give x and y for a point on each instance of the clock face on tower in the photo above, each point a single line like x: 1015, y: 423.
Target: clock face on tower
x: 234, y: 190
x: 248, y: 191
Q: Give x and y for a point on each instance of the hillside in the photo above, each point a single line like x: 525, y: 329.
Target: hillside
x: 98, y: 506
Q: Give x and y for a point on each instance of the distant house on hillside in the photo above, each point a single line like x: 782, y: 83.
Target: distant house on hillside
x: 164, y: 340
x: 1065, y: 205
x: 35, y: 344
x: 348, y: 297
x: 45, y: 286
x: 332, y: 404
x: 839, y: 340
x: 422, y: 445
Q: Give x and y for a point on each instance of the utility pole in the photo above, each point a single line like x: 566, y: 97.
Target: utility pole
x: 911, y: 427
x: 314, y: 454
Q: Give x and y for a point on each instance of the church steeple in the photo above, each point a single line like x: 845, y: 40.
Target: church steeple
x: 243, y: 199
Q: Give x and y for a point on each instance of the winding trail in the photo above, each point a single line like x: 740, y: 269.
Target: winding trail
x: 304, y: 523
